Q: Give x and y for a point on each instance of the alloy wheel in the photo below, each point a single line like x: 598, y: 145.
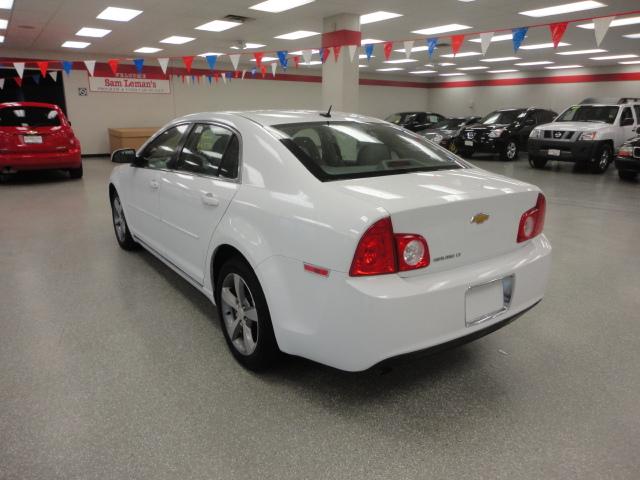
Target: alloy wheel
x: 512, y: 148
x: 604, y: 159
x: 239, y: 314
x: 118, y: 220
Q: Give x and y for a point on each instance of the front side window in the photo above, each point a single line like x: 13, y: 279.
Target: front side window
x: 432, y: 118
x: 502, y: 117
x: 344, y: 149
x: 626, y: 116
x: 29, y: 117
x: 162, y: 149
x: 204, y: 149
x: 589, y: 113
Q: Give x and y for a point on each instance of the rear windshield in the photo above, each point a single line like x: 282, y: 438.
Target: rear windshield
x: 589, y: 113
x: 341, y: 150
x: 28, y: 117
x: 504, y: 117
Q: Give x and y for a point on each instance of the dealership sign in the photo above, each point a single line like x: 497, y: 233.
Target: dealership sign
x: 130, y: 83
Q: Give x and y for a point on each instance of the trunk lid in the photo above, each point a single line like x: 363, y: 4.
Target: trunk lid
x: 35, y: 139
x: 466, y: 215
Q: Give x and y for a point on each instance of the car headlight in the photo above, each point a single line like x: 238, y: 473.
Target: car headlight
x: 437, y: 138
x: 496, y: 133
x: 535, y: 133
x: 588, y: 136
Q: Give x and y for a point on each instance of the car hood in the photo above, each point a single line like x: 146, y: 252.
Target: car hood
x: 575, y: 126
x: 483, y: 127
x: 430, y: 132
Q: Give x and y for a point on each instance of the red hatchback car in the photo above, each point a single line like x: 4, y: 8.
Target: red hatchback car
x: 37, y: 136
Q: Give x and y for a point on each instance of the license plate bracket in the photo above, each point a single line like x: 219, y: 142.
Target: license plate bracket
x: 553, y: 152
x: 468, y: 143
x: 485, y: 301
x: 32, y: 139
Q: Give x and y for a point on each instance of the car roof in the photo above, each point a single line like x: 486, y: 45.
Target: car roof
x: 277, y: 117
x: 28, y: 104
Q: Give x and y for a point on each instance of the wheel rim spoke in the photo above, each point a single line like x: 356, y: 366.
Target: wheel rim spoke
x: 251, y: 314
x: 248, y: 337
x: 228, y: 297
x: 239, y: 314
x: 235, y: 328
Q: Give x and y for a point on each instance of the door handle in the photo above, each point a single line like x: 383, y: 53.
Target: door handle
x: 208, y: 199
x: 154, y: 184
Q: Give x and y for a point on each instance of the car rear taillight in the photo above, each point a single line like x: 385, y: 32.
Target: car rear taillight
x: 532, y: 221
x: 625, y: 151
x: 380, y: 251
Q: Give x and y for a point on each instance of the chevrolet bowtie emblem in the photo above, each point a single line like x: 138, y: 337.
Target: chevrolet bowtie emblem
x: 479, y: 218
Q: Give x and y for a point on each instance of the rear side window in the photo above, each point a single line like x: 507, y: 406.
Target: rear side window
x: 29, y: 117
x: 626, y: 115
x: 636, y: 109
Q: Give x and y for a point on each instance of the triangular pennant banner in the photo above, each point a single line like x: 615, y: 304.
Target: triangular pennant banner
x: 19, y: 66
x: 236, y: 74
x: 164, y: 63
x: 216, y: 76
x: 139, y: 63
x: 600, y: 27
x: 36, y: 79
x: 456, y: 43
x: 91, y: 66
x: 211, y: 61
x: 296, y: 60
x: 1, y: 83
x: 235, y: 59
x: 67, y: 66
x: 244, y: 72
x: 408, y: 47
x: 336, y: 52
x: 54, y: 75
x: 517, y: 36
x: 282, y: 58
x: 485, y: 41
x: 18, y: 81
x: 263, y: 71
x: 432, y: 43
x: 43, y: 66
x: 113, y: 65
x: 224, y: 78
x: 557, y: 32
x: 188, y: 60
x: 388, y: 48
x: 352, y: 52
x: 306, y: 54
x: 274, y: 65
x: 368, y: 50
x: 258, y: 58
x: 324, y: 54
x: 254, y: 70
x: 209, y: 79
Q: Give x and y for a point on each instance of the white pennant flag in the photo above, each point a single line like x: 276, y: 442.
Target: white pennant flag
x: 1, y: 83
x: 91, y: 66
x: 164, y: 62
x: 54, y: 74
x: 352, y: 52
x: 19, y: 66
x: 600, y: 27
x: 485, y: 41
x: 306, y: 54
x: 408, y: 47
x: 244, y: 72
x: 274, y: 65
x: 235, y: 59
x: 224, y: 78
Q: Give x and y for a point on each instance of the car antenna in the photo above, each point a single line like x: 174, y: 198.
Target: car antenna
x: 328, y: 114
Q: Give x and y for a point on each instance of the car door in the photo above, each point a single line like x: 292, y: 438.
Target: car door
x: 195, y: 194
x: 144, y: 186
x: 528, y: 123
x: 628, y: 126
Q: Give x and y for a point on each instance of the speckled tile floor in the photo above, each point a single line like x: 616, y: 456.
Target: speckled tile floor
x: 112, y: 367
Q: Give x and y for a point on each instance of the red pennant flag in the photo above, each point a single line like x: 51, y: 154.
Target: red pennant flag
x: 258, y: 57
x: 113, y: 64
x: 182, y: 77
x: 296, y: 60
x: 43, y: 66
x: 263, y: 71
x: 456, y: 43
x: 18, y: 81
x: 236, y: 74
x: 216, y: 76
x: 557, y: 32
x: 388, y: 47
x: 336, y: 52
x: 188, y: 60
x: 325, y: 54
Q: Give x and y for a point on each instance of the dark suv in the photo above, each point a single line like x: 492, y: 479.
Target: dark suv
x: 504, y: 132
x: 415, y: 121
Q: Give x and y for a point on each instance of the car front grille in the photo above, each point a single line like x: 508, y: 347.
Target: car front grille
x: 558, y: 134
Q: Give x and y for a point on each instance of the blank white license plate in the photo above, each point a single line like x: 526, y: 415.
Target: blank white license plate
x: 32, y: 139
x: 468, y: 143
x: 553, y: 152
x: 484, y: 301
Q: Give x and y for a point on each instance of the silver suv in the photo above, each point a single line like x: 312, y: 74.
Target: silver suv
x: 588, y: 134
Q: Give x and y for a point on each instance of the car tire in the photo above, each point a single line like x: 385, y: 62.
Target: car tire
x: 453, y: 148
x: 244, y: 316
x: 120, y: 226
x: 627, y: 174
x: 510, y: 151
x: 537, y: 162
x: 602, y: 159
x: 75, y: 173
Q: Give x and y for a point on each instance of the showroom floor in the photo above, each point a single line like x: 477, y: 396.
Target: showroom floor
x: 111, y: 366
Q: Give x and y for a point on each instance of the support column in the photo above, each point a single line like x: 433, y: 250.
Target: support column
x: 340, y: 80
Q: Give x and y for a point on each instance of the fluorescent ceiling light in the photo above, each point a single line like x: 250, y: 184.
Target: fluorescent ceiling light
x: 6, y: 4
x: 363, y: 66
x: 118, y: 14
x: 538, y: 46
x: 248, y: 45
x: 218, y: 25
x: 1, y: 38
x: 92, y: 32
x: 401, y: 60
x: 529, y: 64
x: 72, y: 44
x: 560, y: 67
x: 630, y: 62
x: 495, y: 38
x: 614, y: 57
x: 208, y: 54
x: 389, y: 69
x: 420, y: 48
x: 420, y: 72
x: 148, y: 50
x: 581, y: 52
x: 277, y: 6
x: 266, y: 59
x: 377, y: 17
x: 297, y: 34
x: 453, y: 27
x: 632, y: 35
x: 619, y: 22
x: 560, y: 9
x: 452, y: 74
x: 461, y: 54
x: 473, y: 68
x: 499, y: 59
x: 3, y: 23
x: 314, y: 51
x: 363, y: 56
x: 177, y: 40
x: 444, y: 64
x: 367, y: 41
x: 507, y: 70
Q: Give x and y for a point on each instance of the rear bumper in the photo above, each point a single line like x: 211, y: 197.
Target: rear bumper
x: 40, y: 161
x: 629, y: 164
x: 354, y: 323
x: 579, y: 151
x: 486, y: 145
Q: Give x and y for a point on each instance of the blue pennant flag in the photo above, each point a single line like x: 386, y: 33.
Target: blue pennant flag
x: 209, y: 78
x: 282, y: 56
x: 432, y: 43
x: 36, y: 79
x: 67, y: 66
x: 211, y: 61
x: 517, y: 36
x: 139, y: 63
x: 368, y: 49
x: 253, y: 71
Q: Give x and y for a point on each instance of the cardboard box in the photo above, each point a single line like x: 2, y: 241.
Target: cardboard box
x: 129, y: 137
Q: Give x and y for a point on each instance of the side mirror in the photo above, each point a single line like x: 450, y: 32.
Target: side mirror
x: 626, y: 122
x: 124, y: 155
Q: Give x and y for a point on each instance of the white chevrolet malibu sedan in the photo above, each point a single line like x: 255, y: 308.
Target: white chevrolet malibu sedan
x: 336, y: 237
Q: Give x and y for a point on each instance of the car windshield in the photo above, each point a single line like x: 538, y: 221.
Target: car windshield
x: 501, y: 117
x: 589, y: 113
x: 347, y: 149
x: 451, y: 124
x: 29, y: 117
x: 400, y: 118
